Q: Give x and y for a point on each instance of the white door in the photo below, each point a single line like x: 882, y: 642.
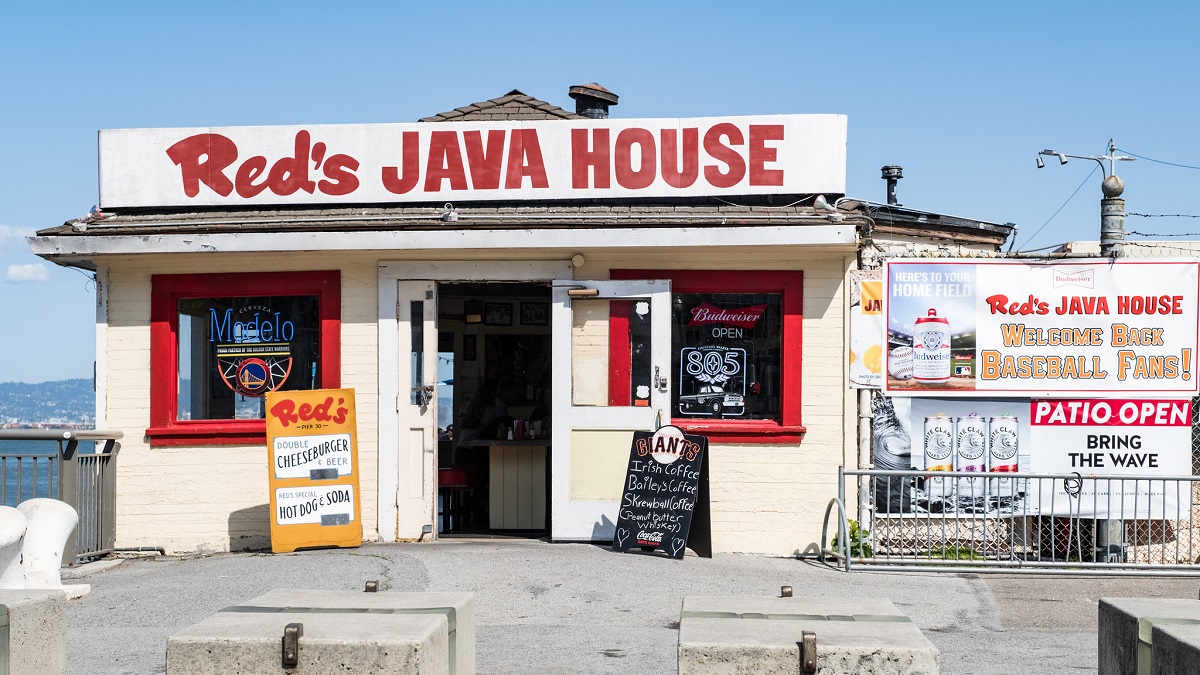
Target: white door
x: 416, y: 407
x: 612, y: 370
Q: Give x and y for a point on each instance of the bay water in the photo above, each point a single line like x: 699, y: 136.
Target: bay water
x: 28, y: 469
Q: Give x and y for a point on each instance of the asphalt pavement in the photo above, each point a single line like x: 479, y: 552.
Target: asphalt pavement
x: 579, y: 608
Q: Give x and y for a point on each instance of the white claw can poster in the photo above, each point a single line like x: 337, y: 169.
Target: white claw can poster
x: 1019, y: 328
x: 1148, y: 441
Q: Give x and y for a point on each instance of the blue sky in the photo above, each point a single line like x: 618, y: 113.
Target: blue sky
x: 961, y: 95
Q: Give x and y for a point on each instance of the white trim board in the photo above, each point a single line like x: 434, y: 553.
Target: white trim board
x: 565, y: 239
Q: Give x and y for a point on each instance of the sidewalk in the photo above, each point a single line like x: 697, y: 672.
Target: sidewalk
x: 578, y: 608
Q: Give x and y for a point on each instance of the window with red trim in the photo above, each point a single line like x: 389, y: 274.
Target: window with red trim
x: 736, y: 353
x: 220, y: 342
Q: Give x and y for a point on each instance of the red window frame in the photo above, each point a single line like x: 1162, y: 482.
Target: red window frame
x: 166, y: 292
x: 790, y: 285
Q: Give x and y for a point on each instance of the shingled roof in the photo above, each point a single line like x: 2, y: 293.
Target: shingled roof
x: 515, y: 105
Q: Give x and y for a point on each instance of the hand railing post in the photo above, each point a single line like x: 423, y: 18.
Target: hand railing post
x: 108, y: 495
x: 68, y: 491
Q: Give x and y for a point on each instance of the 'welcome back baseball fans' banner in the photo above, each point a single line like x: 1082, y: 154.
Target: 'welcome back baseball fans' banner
x: 1017, y: 328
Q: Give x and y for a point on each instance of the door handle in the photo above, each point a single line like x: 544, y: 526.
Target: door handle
x: 660, y: 382
x: 423, y: 395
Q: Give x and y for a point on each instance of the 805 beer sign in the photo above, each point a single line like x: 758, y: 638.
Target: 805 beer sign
x: 712, y: 381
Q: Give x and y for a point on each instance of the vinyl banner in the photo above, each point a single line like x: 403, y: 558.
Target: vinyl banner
x: 866, y: 329
x: 1015, y: 328
x: 1107, y: 437
x: 1087, y: 439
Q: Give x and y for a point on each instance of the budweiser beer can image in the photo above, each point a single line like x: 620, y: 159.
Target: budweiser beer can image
x: 939, y: 456
x: 970, y: 445
x: 1003, y: 442
x: 931, y: 348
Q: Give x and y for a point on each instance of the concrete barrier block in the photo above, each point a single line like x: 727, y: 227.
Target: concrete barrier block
x: 728, y: 635
x: 459, y: 609
x: 36, y: 621
x: 1176, y: 649
x: 236, y: 643
x: 1119, y: 649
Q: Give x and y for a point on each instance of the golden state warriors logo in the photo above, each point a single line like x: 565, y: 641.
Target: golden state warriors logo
x: 253, y: 376
x: 254, y: 351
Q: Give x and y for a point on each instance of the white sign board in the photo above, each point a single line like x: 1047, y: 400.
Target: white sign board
x: 315, y: 505
x: 1016, y: 328
x: 299, y: 456
x: 472, y: 161
x: 1110, y: 437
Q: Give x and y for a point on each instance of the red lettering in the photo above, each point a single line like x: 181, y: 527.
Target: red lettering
x: 284, y: 411
x: 643, y: 447
x: 247, y: 172
x: 202, y: 159
x: 445, y: 162
x: 627, y: 176
x: 999, y: 304
x: 584, y: 157
x: 680, y: 171
x: 339, y: 170
x: 321, y: 410
x: 760, y: 154
x: 290, y: 174
x: 485, y: 162
x: 525, y: 160
x: 725, y: 154
x: 393, y: 180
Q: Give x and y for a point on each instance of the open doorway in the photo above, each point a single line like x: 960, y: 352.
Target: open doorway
x: 493, y: 409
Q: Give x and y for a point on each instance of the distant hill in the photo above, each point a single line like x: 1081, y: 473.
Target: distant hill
x: 60, y: 402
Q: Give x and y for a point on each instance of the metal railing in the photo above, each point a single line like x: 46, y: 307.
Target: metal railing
x: 1018, y: 522
x: 85, y: 480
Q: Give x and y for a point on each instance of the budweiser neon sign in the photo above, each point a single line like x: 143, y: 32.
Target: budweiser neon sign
x: 740, y: 317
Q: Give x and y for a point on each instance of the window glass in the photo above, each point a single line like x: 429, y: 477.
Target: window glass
x: 726, y: 355
x: 232, y: 351
x: 598, y: 367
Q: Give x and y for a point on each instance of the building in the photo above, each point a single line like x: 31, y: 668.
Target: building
x: 620, y: 273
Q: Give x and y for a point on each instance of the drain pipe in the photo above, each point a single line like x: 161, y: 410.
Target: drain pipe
x: 141, y: 549
x: 864, y: 452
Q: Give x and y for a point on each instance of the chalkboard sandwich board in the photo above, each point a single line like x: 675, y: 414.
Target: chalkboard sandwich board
x: 662, y: 486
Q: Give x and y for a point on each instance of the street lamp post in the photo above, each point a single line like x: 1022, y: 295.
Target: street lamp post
x: 1112, y: 207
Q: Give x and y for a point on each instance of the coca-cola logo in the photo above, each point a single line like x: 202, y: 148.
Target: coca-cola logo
x: 740, y: 317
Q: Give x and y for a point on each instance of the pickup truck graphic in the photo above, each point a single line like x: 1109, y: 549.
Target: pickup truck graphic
x: 712, y: 400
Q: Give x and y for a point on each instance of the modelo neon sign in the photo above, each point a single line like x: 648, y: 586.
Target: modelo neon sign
x: 255, y: 330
